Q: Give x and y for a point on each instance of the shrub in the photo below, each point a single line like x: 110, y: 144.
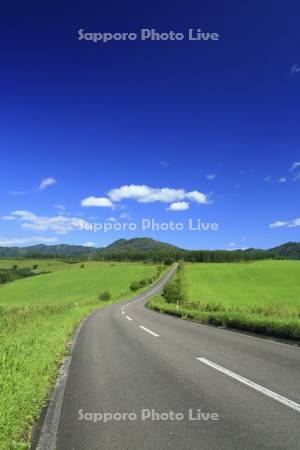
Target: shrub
x: 134, y: 286
x: 159, y: 270
x: 82, y: 266
x: 168, y: 261
x: 171, y: 293
x: 105, y: 296
x: 175, y: 291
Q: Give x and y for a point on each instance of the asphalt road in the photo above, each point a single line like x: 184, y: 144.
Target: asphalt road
x: 130, y: 360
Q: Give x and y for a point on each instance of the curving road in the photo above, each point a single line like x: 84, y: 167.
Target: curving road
x: 228, y: 390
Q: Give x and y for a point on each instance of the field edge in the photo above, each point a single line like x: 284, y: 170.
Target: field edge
x: 287, y: 331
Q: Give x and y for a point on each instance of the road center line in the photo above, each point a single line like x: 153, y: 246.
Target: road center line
x: 285, y: 401
x: 148, y: 331
x: 128, y: 318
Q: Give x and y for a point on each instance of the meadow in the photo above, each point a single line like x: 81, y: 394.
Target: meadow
x: 38, y: 315
x: 71, y: 283
x: 260, y: 296
x: 274, y: 284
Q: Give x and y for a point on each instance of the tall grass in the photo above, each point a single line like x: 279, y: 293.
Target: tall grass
x: 280, y: 325
x: 33, y: 342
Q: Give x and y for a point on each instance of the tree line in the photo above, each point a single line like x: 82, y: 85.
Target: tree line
x: 164, y: 256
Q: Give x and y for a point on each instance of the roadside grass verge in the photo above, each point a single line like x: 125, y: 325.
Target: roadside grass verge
x: 282, y: 325
x: 261, y: 297
x: 37, y: 320
x: 33, y: 342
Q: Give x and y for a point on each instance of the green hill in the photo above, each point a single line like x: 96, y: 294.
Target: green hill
x: 45, y: 250
x: 139, y: 244
x: 290, y: 250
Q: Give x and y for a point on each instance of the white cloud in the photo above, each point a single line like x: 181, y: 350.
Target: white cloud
x: 197, y: 197
x: 286, y: 224
x: 11, y: 242
x: 282, y: 180
x: 89, y: 244
x: 146, y: 194
x: 59, y: 224
x: 111, y: 219
x: 267, y: 179
x: 46, y: 183
x: 295, y: 69
x: 210, y: 176
x: 60, y: 207
x: 295, y: 165
x: 232, y: 244
x: 8, y: 217
x: 179, y: 206
x: 97, y: 201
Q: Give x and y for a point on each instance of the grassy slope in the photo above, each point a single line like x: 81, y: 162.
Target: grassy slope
x: 263, y: 296
x: 262, y: 283
x: 38, y: 316
x: 70, y: 283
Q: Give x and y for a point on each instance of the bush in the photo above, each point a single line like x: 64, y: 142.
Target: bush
x: 82, y: 266
x: 105, y: 296
x: 169, y: 261
x: 175, y: 291
x: 35, y: 266
x: 8, y: 275
x: 171, y: 292
x: 135, y: 285
x: 159, y: 270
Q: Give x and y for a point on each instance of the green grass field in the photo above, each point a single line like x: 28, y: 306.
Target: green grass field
x: 70, y: 283
x: 262, y: 284
x: 262, y: 296
x: 38, y: 315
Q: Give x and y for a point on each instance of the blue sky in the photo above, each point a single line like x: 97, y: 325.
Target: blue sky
x: 169, y: 130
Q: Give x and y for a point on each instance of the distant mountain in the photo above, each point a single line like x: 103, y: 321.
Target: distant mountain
x: 65, y: 250
x: 290, y: 250
x: 139, y: 244
x: 46, y: 250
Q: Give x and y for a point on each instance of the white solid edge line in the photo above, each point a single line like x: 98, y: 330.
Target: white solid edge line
x: 148, y: 331
x: 128, y: 318
x: 285, y: 401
